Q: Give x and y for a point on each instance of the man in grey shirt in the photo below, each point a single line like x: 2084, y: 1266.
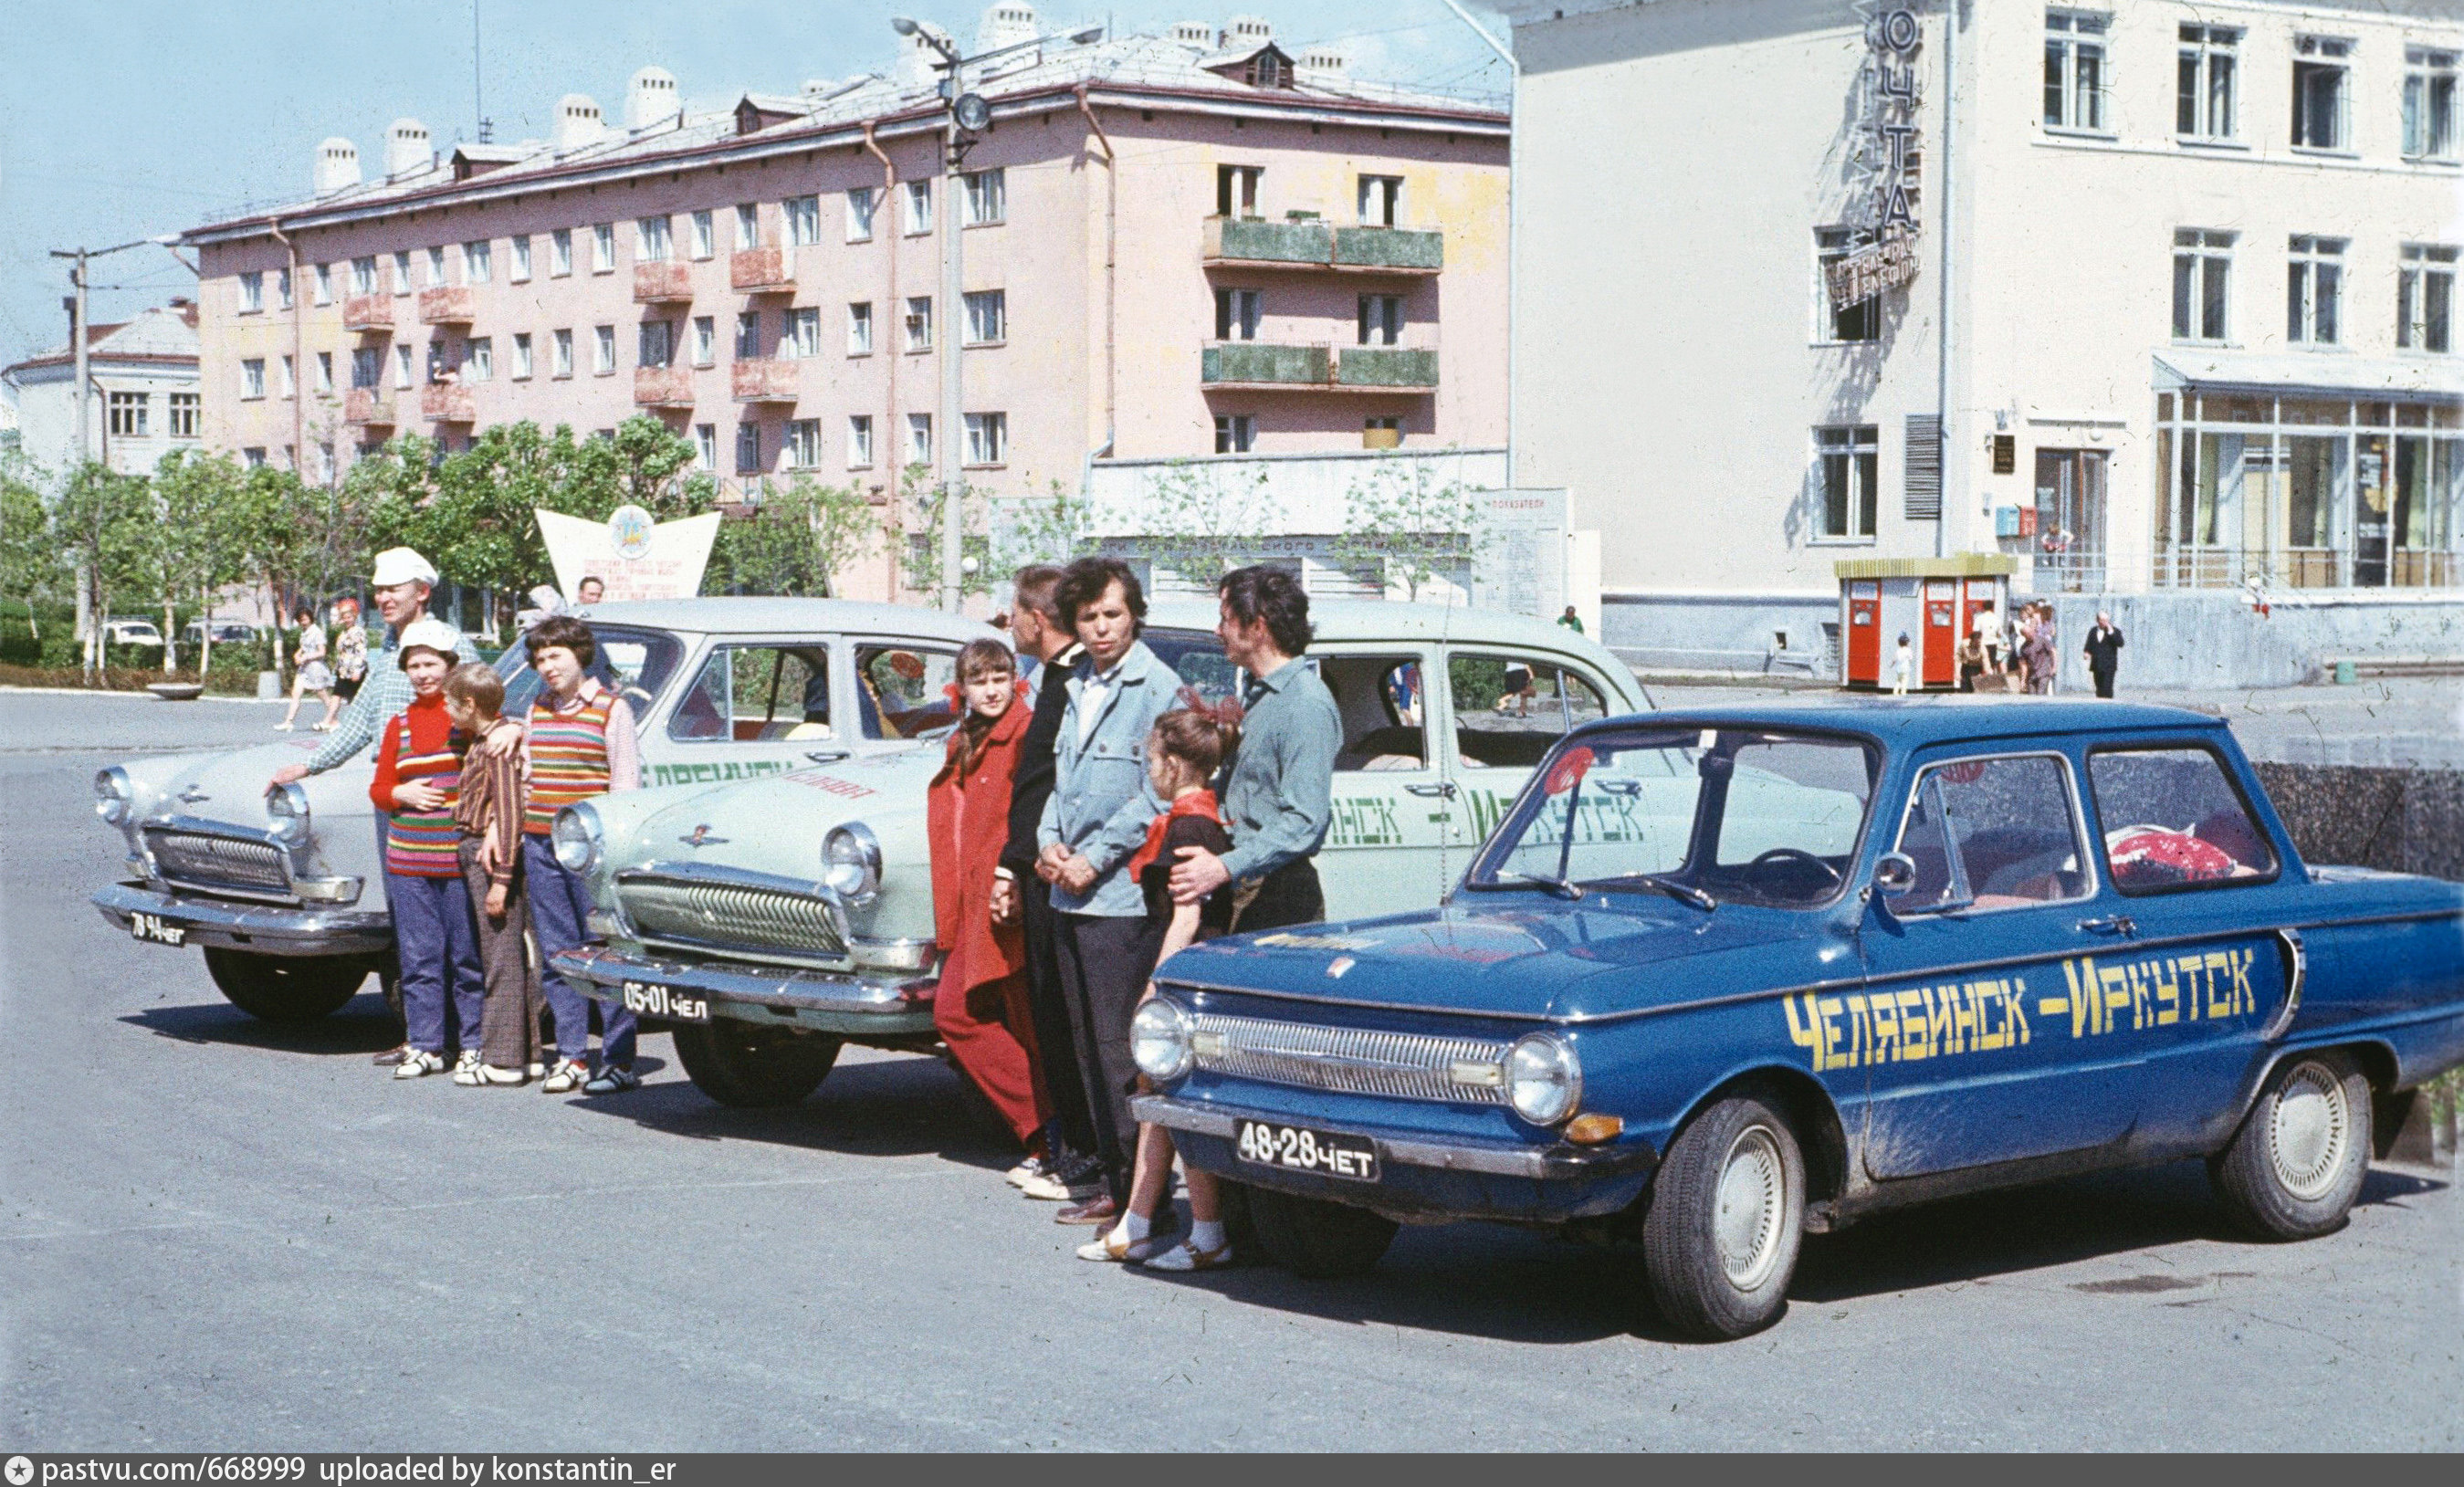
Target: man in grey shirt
x: 1278, y: 793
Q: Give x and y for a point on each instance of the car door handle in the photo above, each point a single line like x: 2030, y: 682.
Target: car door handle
x: 2110, y: 924
x: 830, y: 756
x: 1441, y: 791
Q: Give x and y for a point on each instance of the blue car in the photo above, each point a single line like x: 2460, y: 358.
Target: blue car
x: 1721, y: 978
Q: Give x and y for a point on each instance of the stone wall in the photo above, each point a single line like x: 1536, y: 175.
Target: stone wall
x: 2400, y: 819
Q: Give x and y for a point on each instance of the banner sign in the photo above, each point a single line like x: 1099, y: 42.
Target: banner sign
x: 634, y: 555
x: 1885, y: 255
x: 1871, y: 269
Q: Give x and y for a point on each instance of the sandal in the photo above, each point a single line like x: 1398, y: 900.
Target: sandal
x: 1187, y: 1256
x: 1115, y: 1249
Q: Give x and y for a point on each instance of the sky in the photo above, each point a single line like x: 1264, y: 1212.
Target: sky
x: 122, y: 120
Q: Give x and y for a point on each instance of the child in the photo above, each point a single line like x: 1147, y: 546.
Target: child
x: 313, y: 676
x: 419, y: 766
x: 488, y: 816
x: 350, y: 656
x: 1184, y: 751
x: 578, y: 743
x: 1902, y: 662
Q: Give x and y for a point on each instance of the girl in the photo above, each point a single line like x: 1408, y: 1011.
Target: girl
x: 980, y: 1008
x: 314, y: 674
x: 419, y: 771
x: 350, y: 656
x: 1183, y: 752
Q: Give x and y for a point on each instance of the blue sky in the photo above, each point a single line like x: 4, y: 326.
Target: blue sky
x: 125, y: 119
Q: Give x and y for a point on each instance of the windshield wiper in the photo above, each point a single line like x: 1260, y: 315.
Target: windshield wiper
x: 1557, y: 887
x: 1682, y: 892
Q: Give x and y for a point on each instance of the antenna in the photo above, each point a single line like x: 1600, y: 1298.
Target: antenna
x: 478, y: 90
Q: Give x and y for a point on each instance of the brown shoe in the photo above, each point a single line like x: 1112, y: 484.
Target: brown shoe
x: 1097, y: 1210
x: 392, y: 1056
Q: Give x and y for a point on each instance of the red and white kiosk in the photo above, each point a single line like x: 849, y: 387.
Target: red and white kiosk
x: 1931, y: 601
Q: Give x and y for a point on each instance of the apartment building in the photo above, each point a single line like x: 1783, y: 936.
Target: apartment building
x: 1177, y: 245
x: 142, y: 397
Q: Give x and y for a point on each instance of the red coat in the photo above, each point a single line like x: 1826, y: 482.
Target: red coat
x: 968, y: 823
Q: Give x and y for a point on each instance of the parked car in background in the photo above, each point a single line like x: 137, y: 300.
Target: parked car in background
x: 227, y: 632
x: 1722, y: 977
x: 773, y: 920
x: 282, y: 891
x: 139, y: 633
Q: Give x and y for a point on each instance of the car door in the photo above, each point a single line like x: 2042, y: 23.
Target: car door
x: 1503, y: 710
x: 1386, y: 847
x: 751, y: 706
x: 904, y: 690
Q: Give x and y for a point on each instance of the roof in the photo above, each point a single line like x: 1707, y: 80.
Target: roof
x: 1913, y: 722
x: 2178, y: 366
x: 163, y: 334
x: 1958, y: 565
x: 727, y: 615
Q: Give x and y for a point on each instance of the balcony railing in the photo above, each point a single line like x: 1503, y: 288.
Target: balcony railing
x: 1387, y: 368
x: 1240, y: 242
x: 368, y: 406
x: 1248, y: 364
x: 446, y: 305
x: 368, y: 313
x: 662, y: 283
x: 663, y: 387
x: 760, y: 271
x: 446, y: 402
x: 765, y: 382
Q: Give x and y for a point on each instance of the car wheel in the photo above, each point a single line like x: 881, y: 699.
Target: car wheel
x: 285, y: 988
x: 2296, y: 1164
x: 1727, y: 1215
x: 1321, y: 1241
x: 752, y: 1067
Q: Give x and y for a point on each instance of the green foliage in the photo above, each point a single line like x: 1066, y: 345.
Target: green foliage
x: 1203, y: 522
x: 1039, y: 529
x: 919, y: 561
x: 796, y: 543
x: 1400, y: 520
x: 31, y: 570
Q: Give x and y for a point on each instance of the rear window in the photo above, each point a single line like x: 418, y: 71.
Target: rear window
x: 2172, y: 819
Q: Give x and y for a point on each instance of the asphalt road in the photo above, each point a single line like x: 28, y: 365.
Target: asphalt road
x: 219, y: 1234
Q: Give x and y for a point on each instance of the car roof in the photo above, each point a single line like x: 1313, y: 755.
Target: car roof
x: 1383, y: 620
x: 728, y: 615
x: 1914, y: 722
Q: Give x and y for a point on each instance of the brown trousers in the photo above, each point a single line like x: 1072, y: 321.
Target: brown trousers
x: 510, y: 1021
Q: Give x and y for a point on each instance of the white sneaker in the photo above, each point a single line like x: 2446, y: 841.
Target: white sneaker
x: 490, y: 1074
x: 1024, y: 1171
x: 1045, y: 1188
x: 535, y: 1071
x: 419, y: 1063
x: 466, y: 1068
x: 568, y: 1076
x: 612, y: 1081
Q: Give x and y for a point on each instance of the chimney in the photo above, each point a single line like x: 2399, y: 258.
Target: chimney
x: 1195, y: 33
x: 337, y: 166
x: 1005, y: 24
x: 407, y: 148
x: 1325, y: 64
x: 577, y: 122
x: 916, y: 62
x: 650, y: 100
x: 1248, y: 30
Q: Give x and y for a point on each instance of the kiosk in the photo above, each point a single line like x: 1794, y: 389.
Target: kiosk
x: 1931, y: 601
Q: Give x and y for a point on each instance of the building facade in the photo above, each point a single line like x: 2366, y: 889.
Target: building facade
x: 143, y: 394
x: 2157, y: 299
x: 1174, y: 245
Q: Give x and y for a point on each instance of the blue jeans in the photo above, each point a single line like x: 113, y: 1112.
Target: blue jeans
x: 560, y: 916
x: 438, y: 941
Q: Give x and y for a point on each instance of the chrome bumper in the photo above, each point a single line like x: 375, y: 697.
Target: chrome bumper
x: 1559, y: 1163
x: 263, y: 929
x: 817, y: 1000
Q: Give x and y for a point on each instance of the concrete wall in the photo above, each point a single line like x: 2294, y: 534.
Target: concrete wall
x: 1719, y: 632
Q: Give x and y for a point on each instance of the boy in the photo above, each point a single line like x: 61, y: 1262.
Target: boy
x: 419, y: 767
x: 579, y: 743
x: 488, y: 816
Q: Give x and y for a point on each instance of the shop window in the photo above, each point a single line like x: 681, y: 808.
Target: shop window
x: 2321, y: 74
x: 1847, y: 459
x: 2425, y: 298
x: 2172, y: 819
x: 2207, y: 82
x: 2202, y: 284
x: 2314, y: 290
x: 2075, y: 80
x: 2428, y: 103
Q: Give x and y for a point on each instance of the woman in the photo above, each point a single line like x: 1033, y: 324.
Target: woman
x: 2039, y: 654
x: 313, y: 675
x: 350, y: 655
x: 980, y: 1008
x: 1972, y: 660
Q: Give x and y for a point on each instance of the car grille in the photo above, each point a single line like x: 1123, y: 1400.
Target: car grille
x: 219, y: 865
x: 729, y: 916
x: 1406, y: 1065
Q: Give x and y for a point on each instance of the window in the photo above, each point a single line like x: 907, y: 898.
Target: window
x: 437, y: 362
x: 128, y: 415
x: 920, y: 438
x: 748, y: 225
x: 987, y: 317
x: 1384, y: 432
x: 2075, y: 70
x: 860, y: 329
x: 2428, y: 104
x: 1859, y: 321
x: 1381, y: 200
x: 522, y: 356
x: 1236, y: 190
x: 705, y: 340
x: 253, y: 456
x: 603, y: 247
x: 862, y: 201
x: 252, y: 292
x: 435, y: 267
x: 705, y: 445
x: 282, y: 288
x: 919, y: 324
x: 2206, y: 77
x: 326, y: 373
x: 1381, y: 319
x: 919, y: 207
x: 904, y: 691
x: 859, y: 448
x: 650, y: 241
x: 2172, y: 819
x: 321, y: 284
x: 603, y: 358
x: 560, y: 253
x: 2314, y: 290
x: 987, y: 196
x: 1237, y: 312
x: 705, y: 236
x: 252, y: 377
x: 364, y: 276
x: 184, y: 415
x: 987, y: 438
x: 2425, y: 298
x: 1847, y: 455
x: 474, y: 263
x: 402, y: 367
x: 561, y: 354
x: 478, y: 360
x: 752, y: 693
x: 2319, y: 70
x: 367, y: 367
x: 802, y: 216
x: 656, y: 344
x: 1235, y: 432
x: 401, y: 272
x: 748, y: 448
x: 802, y: 449
x: 2202, y: 277
x: 1989, y: 834
x: 1509, y: 709
x: 748, y: 335
x: 290, y: 378
x: 521, y: 245
x: 801, y: 335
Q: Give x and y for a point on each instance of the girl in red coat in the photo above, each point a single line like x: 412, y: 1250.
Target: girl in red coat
x: 981, y: 1007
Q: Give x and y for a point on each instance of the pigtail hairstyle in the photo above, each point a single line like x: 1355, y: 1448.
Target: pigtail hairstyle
x: 980, y: 657
x: 1200, y: 732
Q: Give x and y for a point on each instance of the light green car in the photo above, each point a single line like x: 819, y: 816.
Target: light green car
x: 770, y: 921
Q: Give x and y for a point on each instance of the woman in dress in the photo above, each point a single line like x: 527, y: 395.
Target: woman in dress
x: 313, y: 675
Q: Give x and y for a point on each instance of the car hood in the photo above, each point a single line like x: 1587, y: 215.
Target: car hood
x: 231, y: 787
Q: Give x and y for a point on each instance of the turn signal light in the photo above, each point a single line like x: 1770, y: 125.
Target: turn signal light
x: 1590, y: 1130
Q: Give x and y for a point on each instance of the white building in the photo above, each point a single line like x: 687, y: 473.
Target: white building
x: 141, y: 402
x: 2157, y: 298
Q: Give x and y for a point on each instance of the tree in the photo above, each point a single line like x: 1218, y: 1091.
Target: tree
x: 1203, y: 523
x: 195, y: 546
x: 794, y: 542
x: 1403, y: 522
x: 29, y: 558
x: 919, y: 561
x: 1039, y: 529
x: 102, y: 521
x: 279, y: 526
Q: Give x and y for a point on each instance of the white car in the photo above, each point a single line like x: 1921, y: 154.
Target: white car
x: 139, y: 633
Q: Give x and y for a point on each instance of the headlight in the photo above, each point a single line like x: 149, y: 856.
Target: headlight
x: 578, y: 838
x: 1544, y: 1080
x: 288, y: 809
x: 1159, y: 1040
x: 852, y: 861
x: 113, y: 796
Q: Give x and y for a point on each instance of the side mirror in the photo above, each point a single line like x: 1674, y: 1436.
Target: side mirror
x: 1895, y: 874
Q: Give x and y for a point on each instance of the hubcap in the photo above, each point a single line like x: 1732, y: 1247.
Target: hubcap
x: 1753, y: 1199
x: 2308, y: 1132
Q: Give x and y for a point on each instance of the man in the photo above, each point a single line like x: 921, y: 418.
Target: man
x: 2103, y: 652
x: 1278, y: 797
x: 1571, y: 620
x: 590, y: 590
x: 1019, y: 893
x: 401, y: 581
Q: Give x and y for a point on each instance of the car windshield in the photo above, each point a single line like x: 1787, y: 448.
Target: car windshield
x: 636, y: 664
x: 1712, y: 814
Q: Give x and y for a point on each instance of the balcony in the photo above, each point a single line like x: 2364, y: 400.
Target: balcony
x: 662, y: 283
x: 368, y: 313
x: 765, y: 382
x: 1387, y: 368
x: 446, y: 402
x: 1263, y: 367
x: 369, y: 407
x: 1249, y: 243
x: 663, y: 387
x: 760, y: 271
x: 446, y: 305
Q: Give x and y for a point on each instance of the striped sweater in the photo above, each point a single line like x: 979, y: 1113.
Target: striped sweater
x: 575, y: 753
x: 420, y: 747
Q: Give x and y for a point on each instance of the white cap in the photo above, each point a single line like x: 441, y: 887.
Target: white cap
x: 402, y: 565
x: 431, y: 634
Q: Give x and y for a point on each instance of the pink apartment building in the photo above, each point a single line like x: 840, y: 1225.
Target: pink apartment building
x: 1183, y: 244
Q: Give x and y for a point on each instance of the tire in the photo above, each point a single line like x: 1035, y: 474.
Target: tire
x: 2295, y: 1166
x: 1321, y: 1241
x: 285, y: 988
x: 1728, y: 1213
x: 750, y: 1067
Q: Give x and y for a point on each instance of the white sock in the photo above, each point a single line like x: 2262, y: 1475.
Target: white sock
x: 1134, y: 1227
x: 1206, y: 1236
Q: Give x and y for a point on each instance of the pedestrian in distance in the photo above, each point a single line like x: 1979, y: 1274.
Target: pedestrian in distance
x: 1903, y: 664
x: 1972, y: 660
x: 419, y: 767
x: 1571, y: 620
x: 350, y: 657
x: 313, y: 674
x: 2103, y: 652
x: 2038, y: 654
x: 578, y: 742
x: 488, y: 817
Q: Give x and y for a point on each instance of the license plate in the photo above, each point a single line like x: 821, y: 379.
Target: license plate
x: 154, y: 929
x: 1301, y: 1150
x: 649, y: 999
